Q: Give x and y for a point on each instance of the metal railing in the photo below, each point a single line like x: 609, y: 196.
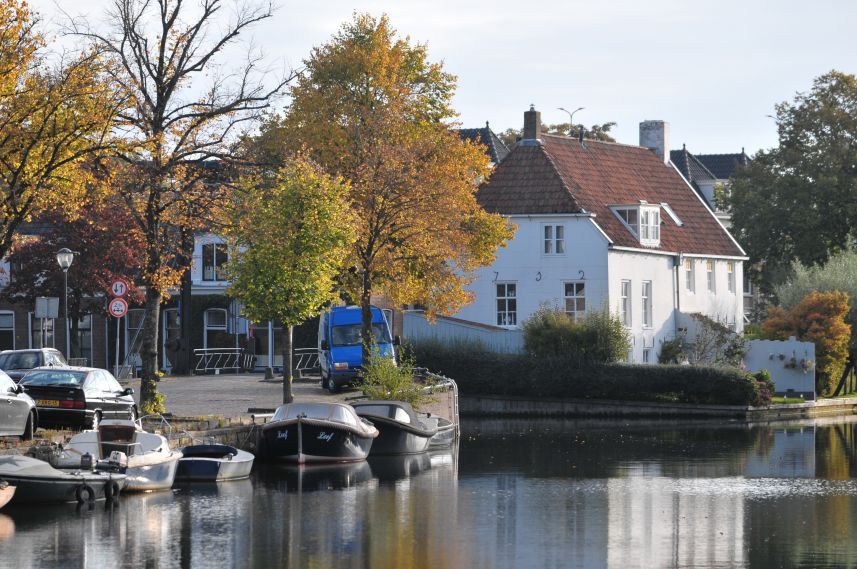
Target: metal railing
x: 305, y: 359
x: 215, y: 360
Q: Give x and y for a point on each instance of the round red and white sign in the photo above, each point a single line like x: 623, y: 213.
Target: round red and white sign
x: 119, y: 288
x: 118, y: 307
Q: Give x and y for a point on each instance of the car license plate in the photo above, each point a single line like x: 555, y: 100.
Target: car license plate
x: 47, y: 403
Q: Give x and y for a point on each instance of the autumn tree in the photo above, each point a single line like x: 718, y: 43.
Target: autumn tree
x: 182, y: 111
x: 289, y: 239
x: 371, y: 108
x: 107, y: 247
x: 818, y: 318
x: 55, y: 115
x: 596, y: 132
x: 798, y: 201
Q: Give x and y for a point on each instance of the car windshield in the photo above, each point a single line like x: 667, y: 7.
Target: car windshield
x: 349, y: 334
x: 55, y: 377
x: 19, y: 360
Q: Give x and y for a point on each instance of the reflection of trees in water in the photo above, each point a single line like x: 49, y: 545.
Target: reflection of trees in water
x: 600, y: 448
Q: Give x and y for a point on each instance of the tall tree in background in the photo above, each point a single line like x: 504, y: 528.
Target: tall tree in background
x: 371, y: 108
x: 289, y: 239
x: 596, y: 132
x: 798, y: 202
x: 53, y: 118
x: 108, y: 247
x: 161, y: 52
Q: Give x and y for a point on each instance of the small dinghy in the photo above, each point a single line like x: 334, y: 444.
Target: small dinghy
x: 213, y: 463
x: 400, y: 430
x: 317, y: 432
x: 151, y: 463
x: 6, y: 492
x: 37, y: 481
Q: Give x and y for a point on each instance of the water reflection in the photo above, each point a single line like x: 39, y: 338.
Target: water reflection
x: 609, y: 494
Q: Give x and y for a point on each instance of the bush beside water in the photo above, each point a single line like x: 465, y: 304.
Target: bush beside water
x: 481, y: 372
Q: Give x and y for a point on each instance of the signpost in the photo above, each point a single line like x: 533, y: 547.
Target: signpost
x: 118, y: 307
x: 47, y: 308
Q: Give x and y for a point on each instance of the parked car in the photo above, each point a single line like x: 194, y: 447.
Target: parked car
x: 340, y: 351
x: 18, y: 415
x: 78, y: 396
x: 17, y: 363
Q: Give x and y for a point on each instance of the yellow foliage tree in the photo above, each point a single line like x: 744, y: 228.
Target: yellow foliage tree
x: 371, y: 108
x: 54, y: 117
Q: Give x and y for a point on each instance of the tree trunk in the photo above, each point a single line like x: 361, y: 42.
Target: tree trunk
x: 286, y: 346
x: 849, y: 365
x: 182, y: 365
x: 149, y: 348
x: 366, y: 316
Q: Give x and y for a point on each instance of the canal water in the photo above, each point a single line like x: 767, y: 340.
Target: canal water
x: 541, y: 494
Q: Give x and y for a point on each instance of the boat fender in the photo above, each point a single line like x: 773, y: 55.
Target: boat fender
x: 84, y: 493
x: 111, y: 490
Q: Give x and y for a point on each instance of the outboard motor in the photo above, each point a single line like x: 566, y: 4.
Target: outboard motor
x: 116, y: 462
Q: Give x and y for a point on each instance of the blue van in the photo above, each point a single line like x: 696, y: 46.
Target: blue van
x: 340, y: 351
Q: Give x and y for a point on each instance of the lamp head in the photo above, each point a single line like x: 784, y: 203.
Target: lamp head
x: 65, y: 257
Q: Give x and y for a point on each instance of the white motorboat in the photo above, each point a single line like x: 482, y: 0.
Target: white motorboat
x: 151, y: 463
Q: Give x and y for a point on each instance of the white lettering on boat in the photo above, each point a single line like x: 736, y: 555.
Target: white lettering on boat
x: 325, y: 436
x: 283, y: 435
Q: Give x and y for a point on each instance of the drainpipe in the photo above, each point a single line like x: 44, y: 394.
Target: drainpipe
x: 678, y: 262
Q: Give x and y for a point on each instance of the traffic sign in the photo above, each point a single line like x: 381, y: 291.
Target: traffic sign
x: 118, y: 307
x: 119, y: 288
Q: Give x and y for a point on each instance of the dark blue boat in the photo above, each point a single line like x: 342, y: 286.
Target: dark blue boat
x: 213, y: 463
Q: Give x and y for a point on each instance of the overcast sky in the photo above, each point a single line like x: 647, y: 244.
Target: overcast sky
x: 714, y: 69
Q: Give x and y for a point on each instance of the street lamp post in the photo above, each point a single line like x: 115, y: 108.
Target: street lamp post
x: 571, y: 117
x: 65, y: 257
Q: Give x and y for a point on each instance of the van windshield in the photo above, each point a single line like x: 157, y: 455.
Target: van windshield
x: 349, y: 334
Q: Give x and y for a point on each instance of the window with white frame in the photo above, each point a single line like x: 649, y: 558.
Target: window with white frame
x: 575, y: 299
x: 554, y: 240
x: 507, y: 304
x: 216, y: 329
x: 84, y: 338
x: 748, y: 285
x: 689, y: 275
x: 647, y: 355
x: 625, y: 303
x: 647, y: 304
x: 709, y: 275
x: 644, y: 221
x: 214, y: 257
x: 730, y: 273
x: 7, y: 330
x: 42, y: 332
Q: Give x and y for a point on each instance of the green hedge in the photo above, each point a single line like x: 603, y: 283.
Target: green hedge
x: 480, y: 372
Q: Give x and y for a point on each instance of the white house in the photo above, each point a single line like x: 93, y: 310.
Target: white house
x: 605, y: 225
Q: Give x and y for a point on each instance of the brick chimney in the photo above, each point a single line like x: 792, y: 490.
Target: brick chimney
x: 656, y: 135
x: 532, y: 125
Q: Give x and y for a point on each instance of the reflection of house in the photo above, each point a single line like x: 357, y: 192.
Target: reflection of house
x: 605, y: 225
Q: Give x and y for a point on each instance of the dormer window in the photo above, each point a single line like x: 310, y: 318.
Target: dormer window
x: 643, y: 220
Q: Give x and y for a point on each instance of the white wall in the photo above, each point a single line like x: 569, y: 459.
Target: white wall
x: 724, y: 306
x: 196, y: 267
x: 775, y: 356
x: 637, y: 268
x: 540, y: 278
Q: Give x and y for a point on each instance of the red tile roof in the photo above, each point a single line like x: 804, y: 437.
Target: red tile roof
x: 564, y: 176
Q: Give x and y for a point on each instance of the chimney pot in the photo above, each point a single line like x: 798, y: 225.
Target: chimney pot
x: 532, y: 124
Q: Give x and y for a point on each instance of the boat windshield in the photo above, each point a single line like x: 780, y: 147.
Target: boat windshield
x: 55, y: 377
x: 391, y: 411
x: 349, y: 334
x: 323, y: 411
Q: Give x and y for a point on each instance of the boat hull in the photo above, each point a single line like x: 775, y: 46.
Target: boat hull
x: 393, y: 439
x: 152, y: 477
x: 301, y: 442
x: 34, y: 490
x: 204, y: 469
x: 6, y: 495
x: 445, y: 434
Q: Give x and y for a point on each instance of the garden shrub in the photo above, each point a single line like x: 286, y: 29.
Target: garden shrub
x: 600, y: 337
x: 382, y: 379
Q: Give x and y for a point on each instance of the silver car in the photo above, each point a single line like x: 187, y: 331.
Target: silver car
x: 18, y: 415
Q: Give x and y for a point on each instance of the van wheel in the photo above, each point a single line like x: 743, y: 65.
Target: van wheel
x: 331, y: 386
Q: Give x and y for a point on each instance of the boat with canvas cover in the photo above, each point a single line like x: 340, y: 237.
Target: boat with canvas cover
x: 317, y: 432
x: 151, y: 463
x: 37, y: 481
x: 213, y: 463
x: 400, y: 430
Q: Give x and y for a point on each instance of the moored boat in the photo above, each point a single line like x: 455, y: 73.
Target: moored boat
x: 151, y: 463
x: 213, y: 463
x: 6, y: 492
x: 400, y: 430
x: 445, y: 435
x: 317, y: 432
x: 37, y: 481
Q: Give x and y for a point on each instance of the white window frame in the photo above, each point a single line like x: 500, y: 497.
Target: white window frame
x: 12, y: 314
x: 643, y: 221
x: 730, y: 273
x: 209, y: 327
x: 711, y: 276
x: 553, y: 239
x: 647, y: 355
x: 647, y: 304
x: 506, y: 317
x: 578, y: 292
x: 626, y: 314
x: 689, y: 275
x: 216, y: 271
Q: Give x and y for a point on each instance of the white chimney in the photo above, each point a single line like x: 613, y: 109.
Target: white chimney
x: 656, y: 135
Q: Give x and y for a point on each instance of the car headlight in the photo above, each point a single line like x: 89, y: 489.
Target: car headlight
x: 340, y: 365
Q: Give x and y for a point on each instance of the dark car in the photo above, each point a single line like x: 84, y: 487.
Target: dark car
x: 17, y: 363
x: 78, y: 396
x: 17, y: 410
